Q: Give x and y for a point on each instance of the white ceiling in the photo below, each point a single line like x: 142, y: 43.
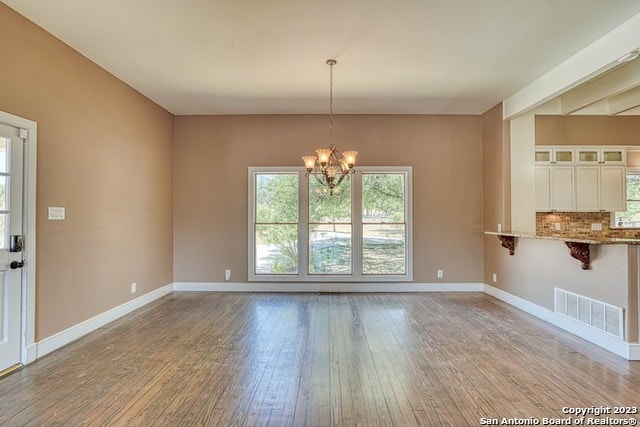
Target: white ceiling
x: 268, y: 56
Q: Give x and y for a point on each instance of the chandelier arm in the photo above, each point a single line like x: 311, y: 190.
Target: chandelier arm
x: 334, y: 154
x: 315, y: 174
x: 341, y: 178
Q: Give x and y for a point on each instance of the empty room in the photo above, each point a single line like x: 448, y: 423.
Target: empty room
x: 305, y: 213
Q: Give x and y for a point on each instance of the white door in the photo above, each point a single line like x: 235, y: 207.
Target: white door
x: 11, y: 202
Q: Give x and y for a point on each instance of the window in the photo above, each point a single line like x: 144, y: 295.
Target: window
x: 276, y: 223
x: 383, y: 224
x: 631, y: 217
x: 298, y: 231
x: 330, y: 230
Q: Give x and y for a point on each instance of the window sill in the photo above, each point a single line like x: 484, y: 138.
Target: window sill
x: 331, y: 279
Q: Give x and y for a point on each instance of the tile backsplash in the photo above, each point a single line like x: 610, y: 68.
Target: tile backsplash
x: 578, y: 224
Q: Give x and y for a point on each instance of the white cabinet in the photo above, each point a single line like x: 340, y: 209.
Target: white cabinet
x: 555, y: 188
x: 600, y: 188
x: 613, y: 188
x: 543, y: 188
x: 581, y: 178
x: 554, y: 156
x: 601, y: 156
x: 587, y: 188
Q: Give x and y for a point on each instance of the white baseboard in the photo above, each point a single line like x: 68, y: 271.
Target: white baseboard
x: 627, y: 350
x: 326, y: 287
x: 63, y: 338
x: 634, y: 352
x: 31, y: 353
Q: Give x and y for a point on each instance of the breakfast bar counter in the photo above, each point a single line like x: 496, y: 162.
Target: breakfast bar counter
x: 578, y: 245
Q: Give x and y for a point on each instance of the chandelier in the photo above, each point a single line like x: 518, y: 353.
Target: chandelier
x: 328, y: 169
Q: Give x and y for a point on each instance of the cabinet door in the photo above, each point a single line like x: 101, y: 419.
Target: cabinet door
x: 613, y: 188
x: 596, y: 155
x: 588, y: 156
x: 544, y: 156
x: 588, y: 188
x: 562, y: 189
x: 555, y: 156
x: 563, y: 156
x: 543, y: 188
x: 613, y: 156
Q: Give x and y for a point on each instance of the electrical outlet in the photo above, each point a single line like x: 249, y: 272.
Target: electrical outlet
x: 440, y: 274
x: 556, y: 226
x: 227, y: 275
x: 499, y: 228
x: 495, y: 277
x: 133, y: 288
x: 596, y: 226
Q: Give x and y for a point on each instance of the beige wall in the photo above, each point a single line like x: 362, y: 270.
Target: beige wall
x: 104, y: 153
x: 540, y: 265
x: 587, y: 130
x: 496, y: 181
x: 212, y: 154
x: 633, y: 158
x: 495, y: 155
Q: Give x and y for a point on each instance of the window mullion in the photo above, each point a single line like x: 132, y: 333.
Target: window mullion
x: 356, y: 224
x: 303, y: 226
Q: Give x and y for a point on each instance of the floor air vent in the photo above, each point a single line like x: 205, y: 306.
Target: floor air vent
x: 604, y: 317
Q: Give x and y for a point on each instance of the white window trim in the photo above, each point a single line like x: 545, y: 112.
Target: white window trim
x: 356, y: 276
x: 630, y: 171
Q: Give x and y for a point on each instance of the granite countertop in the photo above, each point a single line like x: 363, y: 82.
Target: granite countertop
x: 578, y: 239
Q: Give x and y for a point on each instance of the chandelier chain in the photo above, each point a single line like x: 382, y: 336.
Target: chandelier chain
x: 330, y: 105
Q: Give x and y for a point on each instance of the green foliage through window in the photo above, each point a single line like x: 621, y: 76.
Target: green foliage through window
x: 276, y: 229
x: 383, y: 229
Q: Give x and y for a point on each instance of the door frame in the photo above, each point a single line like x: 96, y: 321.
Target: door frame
x: 28, y: 283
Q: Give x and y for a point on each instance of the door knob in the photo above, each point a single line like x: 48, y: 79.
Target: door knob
x: 16, y: 264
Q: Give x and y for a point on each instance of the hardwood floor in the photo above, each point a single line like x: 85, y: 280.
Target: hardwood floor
x: 319, y: 359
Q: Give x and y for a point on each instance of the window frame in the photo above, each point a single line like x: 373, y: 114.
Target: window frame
x: 613, y: 224
x: 303, y: 274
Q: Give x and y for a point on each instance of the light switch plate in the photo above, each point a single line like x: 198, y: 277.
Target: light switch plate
x: 56, y: 213
x: 596, y: 226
